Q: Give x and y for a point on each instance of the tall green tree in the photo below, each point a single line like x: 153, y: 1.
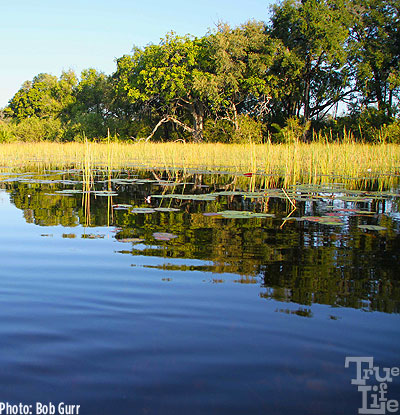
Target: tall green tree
x: 163, y: 78
x: 374, y: 47
x: 43, y: 97
x: 237, y: 79
x: 310, y: 62
x: 91, y: 110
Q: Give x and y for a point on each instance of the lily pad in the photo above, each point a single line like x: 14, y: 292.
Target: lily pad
x: 243, y: 214
x: 68, y: 191
x: 165, y: 209
x: 142, y: 210
x: 324, y: 220
x: 103, y: 193
x: 132, y: 240
x: 204, y: 197
x: 92, y: 236
x: 372, y: 227
x: 163, y: 236
x: 121, y: 207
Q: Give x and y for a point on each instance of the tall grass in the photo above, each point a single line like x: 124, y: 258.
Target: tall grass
x: 296, y: 161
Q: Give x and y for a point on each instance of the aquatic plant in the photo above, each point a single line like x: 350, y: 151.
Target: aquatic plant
x: 296, y: 162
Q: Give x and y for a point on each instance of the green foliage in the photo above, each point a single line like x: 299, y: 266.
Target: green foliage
x: 249, y: 131
x: 162, y: 79
x: 218, y: 131
x: 374, y: 52
x: 44, y: 97
x: 293, y: 131
x: 6, y: 132
x: 389, y: 133
x: 311, y: 54
x: 36, y: 129
x: 235, y: 83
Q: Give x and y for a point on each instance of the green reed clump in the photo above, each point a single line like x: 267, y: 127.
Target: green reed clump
x: 296, y: 161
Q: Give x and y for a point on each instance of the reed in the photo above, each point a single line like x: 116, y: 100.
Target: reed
x: 296, y: 161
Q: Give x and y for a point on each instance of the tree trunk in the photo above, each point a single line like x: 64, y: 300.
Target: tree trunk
x: 307, y: 81
x: 162, y: 121
x: 198, y: 121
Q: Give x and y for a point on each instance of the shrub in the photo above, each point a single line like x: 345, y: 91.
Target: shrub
x: 249, y: 131
x: 293, y: 132
x: 218, y: 131
x: 35, y: 129
x: 6, y: 132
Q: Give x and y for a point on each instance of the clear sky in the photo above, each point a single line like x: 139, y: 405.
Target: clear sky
x: 50, y: 35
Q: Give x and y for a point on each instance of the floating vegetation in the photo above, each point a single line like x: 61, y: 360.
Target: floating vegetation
x: 324, y: 220
x: 243, y: 214
x: 164, y: 236
x: 142, y: 210
x: 87, y: 192
x: 166, y: 209
x: 372, y: 227
x: 121, y: 207
x: 70, y: 191
x: 103, y: 193
x: 92, y: 236
x: 131, y: 240
x: 202, y: 197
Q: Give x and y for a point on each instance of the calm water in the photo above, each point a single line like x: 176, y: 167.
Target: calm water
x: 184, y: 312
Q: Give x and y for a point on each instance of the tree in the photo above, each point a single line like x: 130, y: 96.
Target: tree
x: 310, y: 60
x: 162, y: 78
x: 93, y: 92
x: 91, y: 110
x: 237, y: 80
x: 374, y: 47
x: 43, y: 97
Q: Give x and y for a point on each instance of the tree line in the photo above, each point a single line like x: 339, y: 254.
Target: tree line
x: 316, y: 68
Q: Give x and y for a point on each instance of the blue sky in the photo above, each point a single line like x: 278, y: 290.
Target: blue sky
x: 50, y: 36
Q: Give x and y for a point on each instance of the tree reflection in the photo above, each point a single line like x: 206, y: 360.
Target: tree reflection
x: 300, y: 262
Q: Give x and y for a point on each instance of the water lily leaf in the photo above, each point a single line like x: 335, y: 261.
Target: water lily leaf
x: 206, y: 197
x: 324, y: 220
x: 312, y: 218
x: 142, y: 210
x: 92, y: 236
x: 69, y: 191
x: 165, y: 209
x: 121, y: 207
x: 172, y: 184
x: 227, y: 193
x: 372, y: 227
x: 243, y: 214
x: 332, y: 223
x: 143, y: 181
x: 164, y: 236
x: 132, y: 240
x: 103, y: 193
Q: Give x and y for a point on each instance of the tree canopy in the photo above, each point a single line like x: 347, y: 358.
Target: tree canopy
x: 309, y: 61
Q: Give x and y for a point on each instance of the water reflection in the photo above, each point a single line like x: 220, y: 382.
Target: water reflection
x: 301, y: 261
